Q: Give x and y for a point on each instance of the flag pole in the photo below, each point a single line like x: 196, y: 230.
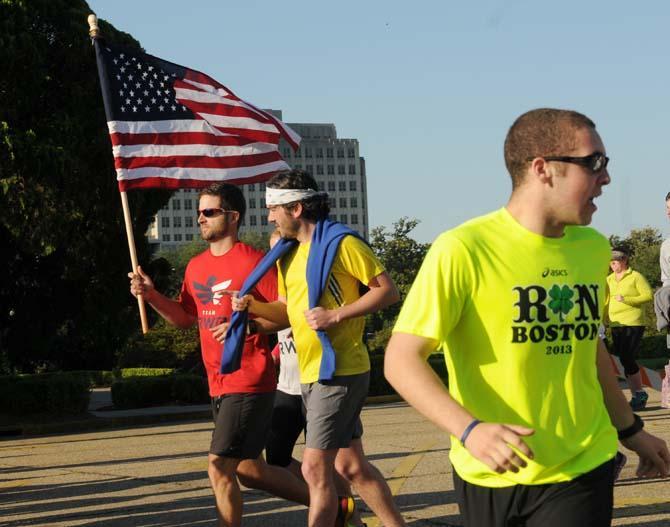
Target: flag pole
x: 94, y: 32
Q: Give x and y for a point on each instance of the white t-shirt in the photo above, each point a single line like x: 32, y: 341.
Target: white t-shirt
x: 289, y: 373
x: 665, y: 262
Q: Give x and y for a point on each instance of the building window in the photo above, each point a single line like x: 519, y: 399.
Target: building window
x: 319, y: 152
x: 261, y: 187
x: 252, y: 221
x: 332, y: 202
x: 286, y: 152
x: 321, y: 185
x: 340, y: 170
x: 176, y: 204
x: 352, y: 169
x: 188, y: 221
x: 354, y: 219
x: 188, y: 204
x: 308, y: 151
x: 331, y: 186
x: 329, y: 152
x: 263, y: 203
x: 177, y: 237
x: 342, y: 186
x: 166, y: 237
x: 319, y: 170
x: 310, y: 169
x: 264, y: 220
x: 252, y: 203
x: 298, y: 153
x: 351, y: 152
x: 343, y: 203
x: 331, y: 170
x: 189, y: 237
x: 298, y: 166
x: 251, y: 187
x: 332, y: 217
x: 353, y: 202
x: 343, y: 218
x: 340, y: 152
x: 165, y: 222
x: 352, y: 185
x: 177, y: 223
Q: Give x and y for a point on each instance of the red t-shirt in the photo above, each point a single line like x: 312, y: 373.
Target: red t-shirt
x: 205, y: 293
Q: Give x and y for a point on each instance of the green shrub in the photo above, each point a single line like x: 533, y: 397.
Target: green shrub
x: 142, y: 391
x: 51, y: 393
x: 126, y: 373
x: 190, y: 389
x: 654, y: 347
x: 380, y: 386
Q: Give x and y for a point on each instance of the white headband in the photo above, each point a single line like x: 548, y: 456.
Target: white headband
x: 283, y: 196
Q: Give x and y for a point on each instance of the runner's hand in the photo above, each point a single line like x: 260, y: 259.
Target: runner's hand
x: 491, y: 444
x: 653, y: 452
x: 140, y: 283
x: 320, y: 318
x: 241, y: 303
x: 219, y: 332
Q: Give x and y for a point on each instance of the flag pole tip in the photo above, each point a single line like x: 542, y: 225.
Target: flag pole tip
x: 93, y: 29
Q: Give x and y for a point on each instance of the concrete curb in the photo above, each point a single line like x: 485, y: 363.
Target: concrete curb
x: 102, y: 422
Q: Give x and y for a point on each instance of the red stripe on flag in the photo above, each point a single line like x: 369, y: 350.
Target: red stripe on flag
x: 227, y: 110
x: 176, y: 183
x: 196, y: 76
x: 196, y: 161
x: 178, y: 138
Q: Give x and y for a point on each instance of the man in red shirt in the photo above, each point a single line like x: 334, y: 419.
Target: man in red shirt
x: 241, y: 401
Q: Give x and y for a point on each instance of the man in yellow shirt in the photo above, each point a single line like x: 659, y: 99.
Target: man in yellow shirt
x: 515, y: 298
x: 334, y: 366
x: 628, y: 292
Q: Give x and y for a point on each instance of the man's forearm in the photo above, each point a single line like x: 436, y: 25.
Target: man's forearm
x: 170, y: 310
x: 382, y: 293
x: 272, y: 312
x: 407, y: 370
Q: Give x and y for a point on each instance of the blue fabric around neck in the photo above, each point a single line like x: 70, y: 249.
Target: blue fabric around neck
x: 322, y: 252
x: 231, y: 355
x: 325, y: 242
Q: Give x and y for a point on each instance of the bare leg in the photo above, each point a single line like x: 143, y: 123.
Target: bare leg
x: 634, y: 382
x: 227, y: 493
x: 278, y: 481
x: 318, y: 469
x: 371, y: 486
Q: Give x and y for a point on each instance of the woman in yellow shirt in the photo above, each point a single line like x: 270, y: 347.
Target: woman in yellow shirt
x: 628, y: 292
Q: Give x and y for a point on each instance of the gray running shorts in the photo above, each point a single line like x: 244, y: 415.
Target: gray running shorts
x: 333, y: 410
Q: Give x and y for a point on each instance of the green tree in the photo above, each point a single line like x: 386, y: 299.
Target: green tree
x: 401, y: 256
x: 64, y: 291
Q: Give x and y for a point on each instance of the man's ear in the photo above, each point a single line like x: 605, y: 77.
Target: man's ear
x: 296, y: 212
x: 540, y: 171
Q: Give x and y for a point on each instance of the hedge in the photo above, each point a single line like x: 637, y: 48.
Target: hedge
x: 380, y: 386
x: 141, y: 391
x: 48, y: 393
x: 142, y: 372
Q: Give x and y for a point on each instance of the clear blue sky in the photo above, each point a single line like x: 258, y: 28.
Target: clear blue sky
x: 429, y: 88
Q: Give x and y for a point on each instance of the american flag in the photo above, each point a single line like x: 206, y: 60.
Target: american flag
x: 172, y: 127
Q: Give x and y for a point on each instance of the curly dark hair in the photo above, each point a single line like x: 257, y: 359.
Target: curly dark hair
x: 541, y: 132
x: 316, y: 208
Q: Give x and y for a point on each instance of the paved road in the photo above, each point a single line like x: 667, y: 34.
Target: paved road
x: 156, y: 476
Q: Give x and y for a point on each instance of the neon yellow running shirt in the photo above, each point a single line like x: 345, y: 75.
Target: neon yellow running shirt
x: 517, y: 316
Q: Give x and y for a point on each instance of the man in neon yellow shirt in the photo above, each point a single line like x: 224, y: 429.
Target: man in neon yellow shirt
x: 515, y: 298
x: 628, y: 292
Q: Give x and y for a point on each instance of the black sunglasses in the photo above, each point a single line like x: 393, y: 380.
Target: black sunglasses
x: 208, y: 213
x: 594, y: 162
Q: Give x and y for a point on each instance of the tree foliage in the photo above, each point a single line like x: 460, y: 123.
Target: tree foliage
x: 401, y: 256
x: 64, y: 293
x: 644, y: 247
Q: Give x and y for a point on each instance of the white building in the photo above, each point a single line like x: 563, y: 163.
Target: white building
x: 335, y: 163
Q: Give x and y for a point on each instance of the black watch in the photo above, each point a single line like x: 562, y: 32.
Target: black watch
x: 638, y: 424
x: 252, y: 327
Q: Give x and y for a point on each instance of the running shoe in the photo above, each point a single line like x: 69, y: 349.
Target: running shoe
x: 639, y: 401
x: 619, y: 462
x: 345, y: 510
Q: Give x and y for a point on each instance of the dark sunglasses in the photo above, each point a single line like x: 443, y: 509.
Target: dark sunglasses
x: 594, y: 162
x: 208, y: 213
